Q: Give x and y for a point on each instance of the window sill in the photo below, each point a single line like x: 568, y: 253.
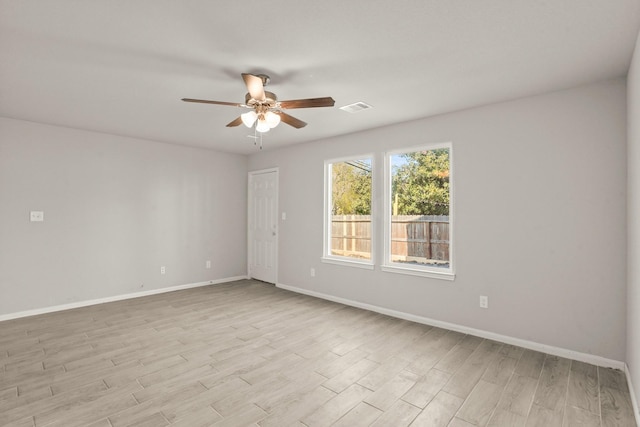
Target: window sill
x: 368, y: 265
x: 444, y: 275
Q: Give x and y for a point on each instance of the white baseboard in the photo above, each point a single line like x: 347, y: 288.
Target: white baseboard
x: 632, y: 394
x: 79, y: 304
x: 556, y: 351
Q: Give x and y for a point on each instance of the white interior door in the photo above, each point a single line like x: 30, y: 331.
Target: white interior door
x: 263, y: 225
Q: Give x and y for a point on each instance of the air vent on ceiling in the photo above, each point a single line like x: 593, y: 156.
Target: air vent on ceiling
x: 355, y: 107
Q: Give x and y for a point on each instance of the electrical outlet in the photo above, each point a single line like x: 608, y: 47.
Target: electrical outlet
x: 163, y: 270
x: 313, y: 272
x: 484, y: 301
x: 208, y: 264
x: 284, y: 216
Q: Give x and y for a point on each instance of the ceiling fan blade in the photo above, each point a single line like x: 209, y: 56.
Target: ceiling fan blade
x: 291, y: 121
x: 254, y: 86
x: 204, y: 101
x: 308, y: 103
x: 236, y: 122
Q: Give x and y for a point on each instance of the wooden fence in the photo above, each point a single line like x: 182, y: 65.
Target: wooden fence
x: 422, y: 239
x: 351, y: 236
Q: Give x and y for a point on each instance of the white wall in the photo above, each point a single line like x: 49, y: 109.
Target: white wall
x: 540, y: 219
x: 633, y: 213
x: 115, y: 210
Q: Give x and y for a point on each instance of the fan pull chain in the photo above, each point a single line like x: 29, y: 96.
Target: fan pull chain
x: 255, y: 137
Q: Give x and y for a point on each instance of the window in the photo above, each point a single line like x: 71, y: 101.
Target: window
x: 418, y: 214
x: 347, y: 218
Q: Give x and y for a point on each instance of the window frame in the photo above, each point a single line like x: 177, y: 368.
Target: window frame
x: 327, y: 256
x: 417, y: 270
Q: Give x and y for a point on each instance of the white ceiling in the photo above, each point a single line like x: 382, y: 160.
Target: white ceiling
x: 122, y: 66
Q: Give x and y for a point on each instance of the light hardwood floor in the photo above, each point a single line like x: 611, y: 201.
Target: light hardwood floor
x: 247, y: 353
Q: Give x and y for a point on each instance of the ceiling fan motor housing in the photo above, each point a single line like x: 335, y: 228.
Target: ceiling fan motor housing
x: 270, y: 101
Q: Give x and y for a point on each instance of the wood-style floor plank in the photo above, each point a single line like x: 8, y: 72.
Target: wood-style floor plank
x: 552, y: 385
x: 540, y: 416
x: 465, y: 379
x: 439, y: 411
x: 518, y: 395
x: 479, y: 405
x: 338, y: 406
x: 583, y: 387
x: 426, y: 388
x: 530, y: 364
x: 384, y: 397
x: 503, y: 418
x: 363, y: 414
x: 247, y: 353
x: 399, y: 415
x: 616, y: 408
x: 576, y: 417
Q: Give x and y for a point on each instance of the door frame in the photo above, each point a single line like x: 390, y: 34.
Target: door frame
x: 250, y: 175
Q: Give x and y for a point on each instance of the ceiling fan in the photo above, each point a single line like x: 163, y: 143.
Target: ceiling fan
x: 265, y: 109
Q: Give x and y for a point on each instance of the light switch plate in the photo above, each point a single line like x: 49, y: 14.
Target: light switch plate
x: 36, y: 216
x: 484, y: 301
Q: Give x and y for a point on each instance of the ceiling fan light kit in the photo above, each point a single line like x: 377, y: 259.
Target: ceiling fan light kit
x: 265, y: 121
x: 249, y: 118
x: 262, y: 126
x: 265, y: 109
x: 272, y: 119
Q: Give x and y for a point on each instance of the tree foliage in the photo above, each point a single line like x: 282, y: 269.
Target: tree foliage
x: 420, y: 184
x: 351, y: 189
